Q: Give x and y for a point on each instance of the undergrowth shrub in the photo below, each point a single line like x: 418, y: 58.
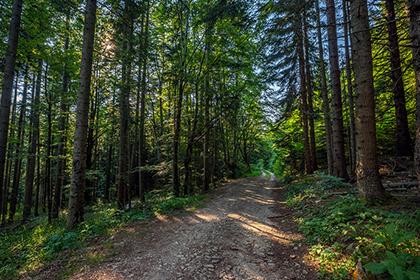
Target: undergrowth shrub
x: 26, y: 248
x: 341, y: 230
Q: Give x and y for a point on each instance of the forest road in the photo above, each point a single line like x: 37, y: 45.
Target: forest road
x: 244, y: 232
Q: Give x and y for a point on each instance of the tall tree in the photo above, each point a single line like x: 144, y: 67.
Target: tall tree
x: 368, y: 180
x: 208, y: 95
x: 303, y: 101
x: 142, y: 136
x: 59, y: 180
x: 30, y: 166
x: 413, y: 10
x: 324, y: 90
x: 75, y: 211
x: 403, y: 133
x: 336, y: 105
x: 310, y: 95
x: 8, y: 78
x: 179, y: 99
x: 352, y: 136
x: 19, y: 147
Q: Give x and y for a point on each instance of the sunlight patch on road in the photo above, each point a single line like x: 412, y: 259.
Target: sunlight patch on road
x: 260, y: 228
x: 259, y: 200
x: 208, y: 217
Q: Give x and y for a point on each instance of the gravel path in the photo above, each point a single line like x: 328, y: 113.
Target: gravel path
x: 245, y: 232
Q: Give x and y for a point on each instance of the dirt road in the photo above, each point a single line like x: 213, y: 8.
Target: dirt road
x: 245, y: 232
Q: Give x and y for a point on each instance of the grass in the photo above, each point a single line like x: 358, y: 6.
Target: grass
x: 256, y: 170
x: 341, y: 230
x: 27, y: 248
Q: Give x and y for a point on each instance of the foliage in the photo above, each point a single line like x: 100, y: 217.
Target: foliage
x: 402, y: 250
x: 341, y: 230
x: 256, y: 171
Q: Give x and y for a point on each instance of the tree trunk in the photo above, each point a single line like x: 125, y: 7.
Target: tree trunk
x: 368, y: 180
x: 19, y: 146
x: 352, y: 136
x: 30, y: 175
x: 177, y: 123
x: 59, y: 176
x: 310, y: 94
x: 142, y: 137
x: 336, y: 106
x: 8, y: 78
x: 324, y: 89
x: 403, y: 132
x: 413, y: 12
x: 38, y: 182
x: 206, y: 147
x: 75, y: 210
x: 49, y: 143
x: 304, y: 104
x: 108, y: 174
x: 11, y: 148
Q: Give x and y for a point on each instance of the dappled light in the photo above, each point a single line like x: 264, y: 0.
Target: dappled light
x: 235, y: 235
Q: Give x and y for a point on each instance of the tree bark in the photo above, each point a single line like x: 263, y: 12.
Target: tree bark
x: 142, y: 137
x: 11, y: 148
x: 108, y: 174
x: 403, y: 132
x: 352, y: 136
x: 310, y: 94
x: 48, y: 182
x: 8, y: 78
x: 368, y: 180
x: 304, y: 104
x: 59, y: 175
x: 324, y: 89
x: 19, y: 146
x: 177, y: 123
x: 413, y: 12
x: 30, y: 175
x: 75, y: 210
x: 336, y: 105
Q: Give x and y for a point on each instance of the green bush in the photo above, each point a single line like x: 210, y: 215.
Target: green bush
x: 343, y: 229
x: 26, y: 248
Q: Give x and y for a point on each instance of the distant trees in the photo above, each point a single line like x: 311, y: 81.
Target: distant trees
x: 161, y: 94
x: 174, y: 96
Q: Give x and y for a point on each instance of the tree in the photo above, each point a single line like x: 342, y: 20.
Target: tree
x: 75, y: 211
x: 352, y: 137
x: 304, y: 103
x: 30, y: 167
x: 8, y: 78
x: 310, y: 96
x: 368, y: 180
x: 324, y: 90
x: 142, y: 136
x: 336, y: 105
x: 403, y: 133
x: 62, y: 139
x: 413, y: 10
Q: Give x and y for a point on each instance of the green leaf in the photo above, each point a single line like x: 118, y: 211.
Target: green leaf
x: 375, y: 268
x: 379, y: 239
x: 412, y: 275
x: 391, y: 255
x: 396, y: 272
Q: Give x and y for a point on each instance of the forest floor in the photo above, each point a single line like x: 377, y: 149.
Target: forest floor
x: 244, y: 232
